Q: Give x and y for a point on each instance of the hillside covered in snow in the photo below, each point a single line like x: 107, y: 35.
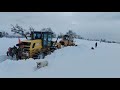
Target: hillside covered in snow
x: 68, y: 62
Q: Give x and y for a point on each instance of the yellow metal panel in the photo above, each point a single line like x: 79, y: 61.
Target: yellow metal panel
x: 37, y: 47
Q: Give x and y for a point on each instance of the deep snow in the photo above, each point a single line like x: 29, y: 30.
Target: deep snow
x: 68, y: 62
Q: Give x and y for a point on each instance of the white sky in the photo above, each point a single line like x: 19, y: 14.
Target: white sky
x: 80, y: 22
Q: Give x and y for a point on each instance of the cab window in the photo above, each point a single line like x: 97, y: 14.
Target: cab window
x: 37, y: 35
x: 49, y: 37
x: 45, y: 36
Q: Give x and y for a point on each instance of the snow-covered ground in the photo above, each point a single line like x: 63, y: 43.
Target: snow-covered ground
x: 68, y: 62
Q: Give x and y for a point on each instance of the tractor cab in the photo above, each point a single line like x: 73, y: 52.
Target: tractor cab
x: 65, y: 37
x: 46, y: 38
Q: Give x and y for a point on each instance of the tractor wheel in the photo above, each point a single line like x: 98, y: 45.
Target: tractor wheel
x: 62, y: 43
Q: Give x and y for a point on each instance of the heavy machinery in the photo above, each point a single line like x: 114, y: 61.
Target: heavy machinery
x: 67, y: 40
x: 38, y: 46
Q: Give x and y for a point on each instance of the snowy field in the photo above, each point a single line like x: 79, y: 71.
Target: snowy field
x: 68, y: 62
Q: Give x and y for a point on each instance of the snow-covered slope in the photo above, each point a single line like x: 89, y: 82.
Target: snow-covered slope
x: 67, y: 62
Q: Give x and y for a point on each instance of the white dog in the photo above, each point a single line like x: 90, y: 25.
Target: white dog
x: 42, y: 64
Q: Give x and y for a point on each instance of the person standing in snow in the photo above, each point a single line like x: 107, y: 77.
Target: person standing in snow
x: 95, y: 44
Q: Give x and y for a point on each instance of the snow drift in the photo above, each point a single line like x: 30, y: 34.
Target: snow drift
x: 68, y: 62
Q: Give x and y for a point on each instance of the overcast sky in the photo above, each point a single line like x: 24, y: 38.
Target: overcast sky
x: 80, y: 22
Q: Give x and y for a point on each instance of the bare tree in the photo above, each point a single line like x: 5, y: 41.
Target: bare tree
x: 31, y: 29
x: 19, y: 30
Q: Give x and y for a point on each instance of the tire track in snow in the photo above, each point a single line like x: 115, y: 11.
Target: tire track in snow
x: 3, y: 58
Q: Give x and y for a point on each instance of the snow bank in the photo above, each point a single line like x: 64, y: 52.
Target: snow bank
x: 69, y: 62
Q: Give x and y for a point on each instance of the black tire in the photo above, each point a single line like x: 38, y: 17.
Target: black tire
x: 62, y: 43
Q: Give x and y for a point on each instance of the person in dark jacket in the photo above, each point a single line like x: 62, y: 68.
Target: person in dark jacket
x: 95, y: 44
